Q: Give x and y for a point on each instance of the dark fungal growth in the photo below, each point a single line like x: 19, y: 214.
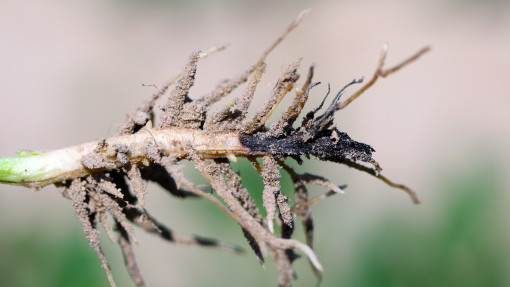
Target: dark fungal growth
x: 315, y: 137
x: 323, y: 146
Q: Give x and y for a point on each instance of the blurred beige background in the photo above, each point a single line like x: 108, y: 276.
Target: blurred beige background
x: 69, y: 72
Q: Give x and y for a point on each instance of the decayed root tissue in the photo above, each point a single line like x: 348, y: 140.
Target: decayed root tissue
x: 108, y: 177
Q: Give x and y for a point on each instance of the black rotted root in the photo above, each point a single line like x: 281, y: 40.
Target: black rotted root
x: 329, y: 144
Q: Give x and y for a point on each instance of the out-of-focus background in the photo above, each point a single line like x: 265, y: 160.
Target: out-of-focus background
x: 70, y: 70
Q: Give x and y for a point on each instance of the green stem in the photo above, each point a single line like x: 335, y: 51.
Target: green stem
x: 37, y: 169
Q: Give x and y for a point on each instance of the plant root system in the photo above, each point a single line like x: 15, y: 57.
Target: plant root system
x: 105, y: 180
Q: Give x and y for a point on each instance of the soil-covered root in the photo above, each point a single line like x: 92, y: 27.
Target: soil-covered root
x: 105, y: 179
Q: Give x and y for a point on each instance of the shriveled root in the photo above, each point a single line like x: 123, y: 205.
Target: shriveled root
x: 78, y: 194
x: 213, y: 173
